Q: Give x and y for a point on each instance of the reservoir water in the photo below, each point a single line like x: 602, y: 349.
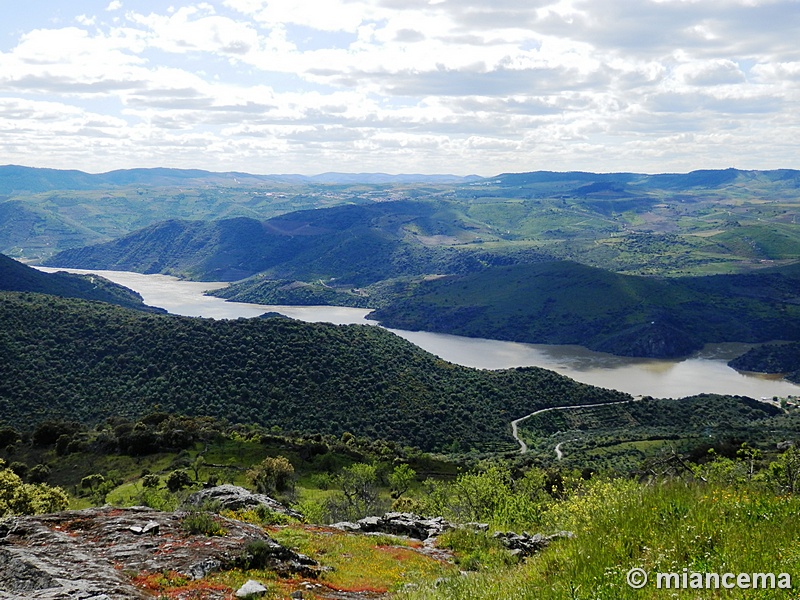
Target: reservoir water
x: 707, y: 371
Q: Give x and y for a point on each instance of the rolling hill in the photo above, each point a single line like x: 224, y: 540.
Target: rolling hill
x: 72, y: 360
x: 354, y: 245
x: 569, y: 303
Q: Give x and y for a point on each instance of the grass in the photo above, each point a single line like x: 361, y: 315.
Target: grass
x: 363, y: 563
x: 663, y: 528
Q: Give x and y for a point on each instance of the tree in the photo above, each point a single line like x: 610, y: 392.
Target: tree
x: 177, y: 480
x: 91, y: 482
x: 274, y: 474
x: 401, y: 479
x: 39, y: 474
x: 151, y: 480
x: 8, y: 436
x: 359, y: 486
x: 785, y: 471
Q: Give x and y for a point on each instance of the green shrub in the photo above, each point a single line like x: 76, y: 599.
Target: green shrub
x: 198, y: 522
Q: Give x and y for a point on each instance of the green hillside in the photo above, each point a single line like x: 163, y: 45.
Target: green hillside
x: 67, y: 359
x: 16, y: 277
x: 568, y: 303
x: 353, y: 245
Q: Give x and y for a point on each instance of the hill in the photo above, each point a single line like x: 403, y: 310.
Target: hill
x: 16, y: 277
x: 569, y: 303
x: 68, y: 359
x: 349, y: 245
x: 669, y: 224
x: 15, y: 178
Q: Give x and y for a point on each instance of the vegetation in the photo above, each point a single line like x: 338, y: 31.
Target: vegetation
x: 69, y: 360
x: 16, y: 277
x: 626, y: 438
x: 569, y: 303
x: 17, y: 497
x: 771, y: 358
x: 113, y: 405
x: 719, y: 527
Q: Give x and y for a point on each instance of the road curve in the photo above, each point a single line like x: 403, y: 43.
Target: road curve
x: 523, y: 447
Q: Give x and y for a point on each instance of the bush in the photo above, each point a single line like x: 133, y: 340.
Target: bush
x: 178, y: 480
x: 274, y: 474
x: 25, y: 498
x: 199, y: 522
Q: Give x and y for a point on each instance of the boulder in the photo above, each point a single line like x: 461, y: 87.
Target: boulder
x: 251, y: 588
x: 233, y: 497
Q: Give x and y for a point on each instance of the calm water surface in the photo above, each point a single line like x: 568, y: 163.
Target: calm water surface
x: 705, y: 372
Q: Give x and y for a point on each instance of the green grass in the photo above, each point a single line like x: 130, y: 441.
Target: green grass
x: 363, y: 563
x: 662, y: 528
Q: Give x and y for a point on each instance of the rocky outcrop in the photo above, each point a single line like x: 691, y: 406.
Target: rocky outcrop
x: 233, y: 497
x: 426, y: 529
x: 525, y: 544
x: 396, y: 523
x: 95, y: 554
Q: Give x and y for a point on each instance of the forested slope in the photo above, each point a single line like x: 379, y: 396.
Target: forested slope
x: 16, y: 277
x: 355, y: 245
x: 569, y: 303
x: 68, y: 359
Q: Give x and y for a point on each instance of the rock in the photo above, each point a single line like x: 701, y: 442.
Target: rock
x: 524, y: 544
x: 151, y: 527
x: 203, y: 568
x: 233, y: 497
x: 395, y: 523
x: 90, y: 554
x: 251, y: 588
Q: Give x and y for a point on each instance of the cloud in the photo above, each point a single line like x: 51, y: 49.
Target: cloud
x: 462, y: 86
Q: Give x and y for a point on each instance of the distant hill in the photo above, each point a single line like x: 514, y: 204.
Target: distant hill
x: 707, y: 178
x: 353, y: 245
x: 569, y: 303
x: 16, y: 179
x: 16, y: 277
x: 73, y: 360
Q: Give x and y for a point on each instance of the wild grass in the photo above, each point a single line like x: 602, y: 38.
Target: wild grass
x: 363, y: 563
x: 666, y: 527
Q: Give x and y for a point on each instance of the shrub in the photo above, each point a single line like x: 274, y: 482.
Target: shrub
x: 274, y: 474
x: 198, y: 522
x: 178, y: 480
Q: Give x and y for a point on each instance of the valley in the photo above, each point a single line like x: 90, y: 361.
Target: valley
x: 105, y: 398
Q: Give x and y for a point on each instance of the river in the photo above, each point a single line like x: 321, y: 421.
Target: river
x: 706, y: 371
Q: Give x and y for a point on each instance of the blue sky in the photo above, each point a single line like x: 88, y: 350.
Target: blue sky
x: 401, y: 86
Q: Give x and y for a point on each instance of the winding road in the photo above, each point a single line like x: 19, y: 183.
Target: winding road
x: 523, y: 447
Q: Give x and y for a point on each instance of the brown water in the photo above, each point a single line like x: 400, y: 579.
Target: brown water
x: 705, y: 372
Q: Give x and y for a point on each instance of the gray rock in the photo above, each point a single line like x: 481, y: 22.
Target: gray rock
x: 203, y: 568
x: 395, y: 523
x: 251, y: 588
x: 89, y: 554
x: 233, y: 497
x: 525, y: 544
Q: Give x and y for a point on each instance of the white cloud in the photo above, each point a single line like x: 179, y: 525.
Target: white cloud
x: 409, y: 85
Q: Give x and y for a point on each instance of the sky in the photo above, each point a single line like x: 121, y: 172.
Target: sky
x: 401, y: 86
